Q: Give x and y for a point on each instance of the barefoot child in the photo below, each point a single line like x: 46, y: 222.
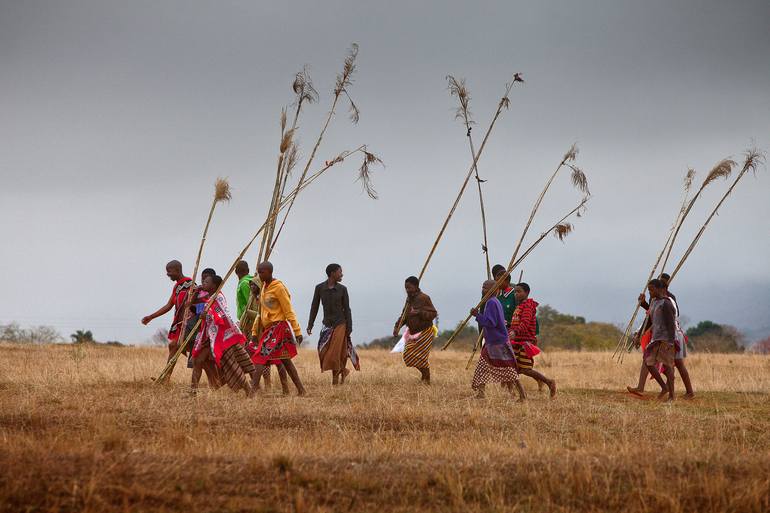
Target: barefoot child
x: 523, y: 337
x: 661, y: 349
x: 497, y: 363
x: 418, y: 318
x: 276, y: 333
x: 220, y: 337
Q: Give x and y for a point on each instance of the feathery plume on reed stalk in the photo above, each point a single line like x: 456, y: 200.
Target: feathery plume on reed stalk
x: 282, y: 205
x: 459, y: 89
x: 560, y: 230
x: 221, y: 193
x: 344, y: 81
x: 753, y: 159
x: 623, y: 342
x: 722, y: 169
x: 504, y: 102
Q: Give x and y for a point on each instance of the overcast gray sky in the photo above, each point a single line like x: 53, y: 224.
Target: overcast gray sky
x: 113, y: 115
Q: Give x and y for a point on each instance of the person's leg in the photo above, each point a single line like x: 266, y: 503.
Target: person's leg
x: 682, y: 368
x: 173, y: 347
x: 196, y: 375
x: 424, y: 375
x: 520, y: 389
x: 657, y: 377
x: 256, y: 376
x: 291, y: 370
x: 669, y: 370
x: 550, y: 383
x: 344, y: 372
x: 335, y: 377
x: 284, y: 378
x: 643, y: 374
x: 480, y: 391
x: 266, y: 377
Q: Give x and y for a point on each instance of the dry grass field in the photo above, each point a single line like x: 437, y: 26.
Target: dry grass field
x: 84, y: 429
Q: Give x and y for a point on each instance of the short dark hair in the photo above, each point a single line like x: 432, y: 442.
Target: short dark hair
x: 217, y: 280
x: 414, y: 280
x: 656, y: 283
x: 208, y: 271
x: 665, y: 278
x: 332, y: 268
x: 524, y: 286
x: 497, y: 269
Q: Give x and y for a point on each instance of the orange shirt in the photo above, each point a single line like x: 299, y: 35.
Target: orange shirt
x: 275, y: 306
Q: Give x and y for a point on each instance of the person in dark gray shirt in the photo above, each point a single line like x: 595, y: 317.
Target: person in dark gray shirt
x: 661, y: 349
x: 334, y: 343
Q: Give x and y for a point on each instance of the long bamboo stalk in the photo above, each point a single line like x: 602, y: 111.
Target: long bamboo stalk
x: 504, y: 103
x: 623, y: 342
x: 344, y: 80
x: 283, y: 204
x: 722, y: 169
x: 221, y: 193
x: 753, y: 159
x: 459, y: 89
x: 560, y: 229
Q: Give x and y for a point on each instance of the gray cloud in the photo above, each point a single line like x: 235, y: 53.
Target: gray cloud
x: 114, y: 115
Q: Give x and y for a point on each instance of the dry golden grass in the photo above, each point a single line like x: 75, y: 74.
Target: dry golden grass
x: 84, y: 429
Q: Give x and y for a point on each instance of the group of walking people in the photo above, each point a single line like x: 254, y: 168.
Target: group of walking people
x: 267, y: 333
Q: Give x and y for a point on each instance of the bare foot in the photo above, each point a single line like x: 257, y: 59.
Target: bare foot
x: 480, y: 395
x: 552, y: 388
x: 635, y: 391
x: 689, y: 396
x: 662, y: 395
x: 301, y: 392
x: 345, y: 373
x: 521, y: 400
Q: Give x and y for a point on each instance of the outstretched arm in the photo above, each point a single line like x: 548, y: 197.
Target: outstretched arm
x: 161, y: 311
x: 313, y: 310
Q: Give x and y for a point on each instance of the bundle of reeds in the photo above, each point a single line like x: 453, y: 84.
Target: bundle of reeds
x: 368, y: 159
x: 722, y: 169
x: 753, y: 158
x: 221, y: 194
x: 623, y: 342
x: 560, y: 230
x: 504, y: 103
x: 459, y: 89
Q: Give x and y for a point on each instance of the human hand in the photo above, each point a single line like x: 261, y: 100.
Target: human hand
x: 641, y: 298
x: 395, y: 332
x: 299, y: 340
x: 146, y: 320
x: 474, y: 311
x: 309, y: 330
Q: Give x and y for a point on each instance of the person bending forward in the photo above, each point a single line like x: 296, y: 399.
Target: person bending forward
x: 497, y: 363
x: 419, y: 313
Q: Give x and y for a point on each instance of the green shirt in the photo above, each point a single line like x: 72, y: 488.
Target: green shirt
x: 242, y: 294
x: 508, y: 300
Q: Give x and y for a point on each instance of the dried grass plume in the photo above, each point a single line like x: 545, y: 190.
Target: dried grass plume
x: 222, y: 190
x: 365, y: 173
x: 561, y: 230
x: 721, y: 170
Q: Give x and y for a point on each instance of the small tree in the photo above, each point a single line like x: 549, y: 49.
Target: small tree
x: 81, y: 336
x: 160, y: 338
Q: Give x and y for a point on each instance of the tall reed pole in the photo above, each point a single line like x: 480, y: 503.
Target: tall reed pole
x: 753, y: 158
x: 344, y: 81
x: 368, y: 156
x: 560, y: 230
x: 221, y: 193
x: 459, y: 89
x: 504, y: 102
x: 722, y: 169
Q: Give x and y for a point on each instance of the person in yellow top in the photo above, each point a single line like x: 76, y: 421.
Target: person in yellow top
x: 276, y: 334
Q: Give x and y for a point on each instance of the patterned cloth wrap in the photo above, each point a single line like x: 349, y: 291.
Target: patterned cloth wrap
x: 326, y: 335
x: 276, y: 343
